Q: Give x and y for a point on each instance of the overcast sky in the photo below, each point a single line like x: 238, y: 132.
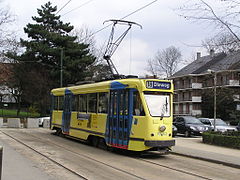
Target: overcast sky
x: 162, y: 27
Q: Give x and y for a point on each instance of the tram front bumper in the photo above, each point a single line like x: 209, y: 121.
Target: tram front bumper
x: 161, y: 144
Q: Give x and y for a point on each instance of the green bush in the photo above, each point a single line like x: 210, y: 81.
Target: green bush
x: 227, y: 139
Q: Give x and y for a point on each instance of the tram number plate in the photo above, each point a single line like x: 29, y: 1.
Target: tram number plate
x: 158, y: 85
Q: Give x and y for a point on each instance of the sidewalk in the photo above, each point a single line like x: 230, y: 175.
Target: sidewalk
x: 194, y: 147
x: 16, y: 165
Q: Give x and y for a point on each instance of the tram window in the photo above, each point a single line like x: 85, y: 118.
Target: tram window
x: 74, y: 103
x: 55, y: 102
x: 137, y: 105
x: 123, y: 103
x: 115, y: 103
x: 82, y: 103
x: 92, y: 103
x: 158, y: 103
x: 60, y: 103
x: 102, y: 102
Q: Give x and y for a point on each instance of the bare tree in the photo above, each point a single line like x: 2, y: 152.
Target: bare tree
x: 165, y: 62
x: 224, y: 15
x: 223, y: 42
x: 151, y: 67
x: 99, y: 69
x: 6, y: 35
x: 84, y: 35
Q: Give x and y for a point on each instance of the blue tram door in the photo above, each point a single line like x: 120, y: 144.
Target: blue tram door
x: 67, y: 108
x: 119, y: 118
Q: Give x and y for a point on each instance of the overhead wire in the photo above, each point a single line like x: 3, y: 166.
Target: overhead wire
x: 77, y: 7
x: 63, y: 6
x: 139, y: 9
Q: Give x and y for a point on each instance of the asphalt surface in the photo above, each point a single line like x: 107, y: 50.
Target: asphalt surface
x: 16, y: 165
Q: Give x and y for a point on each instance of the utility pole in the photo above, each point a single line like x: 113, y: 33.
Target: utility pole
x: 215, y: 100
x: 215, y: 97
x: 61, y: 68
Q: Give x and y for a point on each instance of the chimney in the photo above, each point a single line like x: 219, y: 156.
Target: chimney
x: 198, y: 55
x: 211, y: 52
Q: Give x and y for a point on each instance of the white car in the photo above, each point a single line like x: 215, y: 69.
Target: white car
x: 41, y: 120
x: 221, y: 126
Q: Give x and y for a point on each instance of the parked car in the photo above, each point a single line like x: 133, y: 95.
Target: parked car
x: 238, y: 126
x: 189, y: 125
x: 41, y: 120
x: 174, y: 131
x: 220, y: 124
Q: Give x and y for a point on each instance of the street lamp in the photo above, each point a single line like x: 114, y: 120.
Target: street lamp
x: 215, y: 97
x: 61, y: 70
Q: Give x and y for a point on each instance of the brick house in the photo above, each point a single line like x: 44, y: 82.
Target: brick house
x: 192, y: 80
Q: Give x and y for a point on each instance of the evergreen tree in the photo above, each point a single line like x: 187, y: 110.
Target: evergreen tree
x: 38, y: 70
x: 46, y: 40
x: 225, y: 103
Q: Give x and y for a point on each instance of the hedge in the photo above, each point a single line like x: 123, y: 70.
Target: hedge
x: 227, y: 139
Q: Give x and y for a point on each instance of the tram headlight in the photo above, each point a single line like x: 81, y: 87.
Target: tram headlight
x: 162, y: 128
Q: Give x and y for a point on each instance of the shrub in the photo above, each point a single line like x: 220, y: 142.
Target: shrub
x: 227, y: 139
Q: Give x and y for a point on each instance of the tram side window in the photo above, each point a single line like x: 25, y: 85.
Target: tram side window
x: 82, y: 103
x: 137, y: 105
x: 74, y: 103
x: 55, y: 102
x: 102, y: 102
x: 92, y: 102
x: 60, y: 103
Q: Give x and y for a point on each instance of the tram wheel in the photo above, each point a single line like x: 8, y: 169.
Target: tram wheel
x: 95, y: 141
x: 102, y: 144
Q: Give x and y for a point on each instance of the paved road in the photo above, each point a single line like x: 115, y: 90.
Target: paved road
x: 16, y: 165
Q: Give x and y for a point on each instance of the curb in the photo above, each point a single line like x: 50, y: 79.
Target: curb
x: 208, y: 160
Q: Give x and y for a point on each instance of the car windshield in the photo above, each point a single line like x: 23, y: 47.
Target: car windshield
x: 158, y: 104
x: 205, y: 121
x: 219, y: 122
x: 192, y: 120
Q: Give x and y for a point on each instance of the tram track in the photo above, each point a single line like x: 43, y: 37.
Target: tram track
x: 181, y: 171
x: 61, y: 165
x: 45, y: 156
x: 174, y: 169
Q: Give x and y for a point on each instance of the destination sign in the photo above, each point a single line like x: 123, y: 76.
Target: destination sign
x: 158, y: 85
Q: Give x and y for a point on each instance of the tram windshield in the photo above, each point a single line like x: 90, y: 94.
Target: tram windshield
x: 158, y: 103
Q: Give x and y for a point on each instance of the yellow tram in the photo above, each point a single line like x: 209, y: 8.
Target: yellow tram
x: 132, y: 114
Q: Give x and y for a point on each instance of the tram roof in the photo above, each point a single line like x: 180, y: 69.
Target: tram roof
x: 106, y: 86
